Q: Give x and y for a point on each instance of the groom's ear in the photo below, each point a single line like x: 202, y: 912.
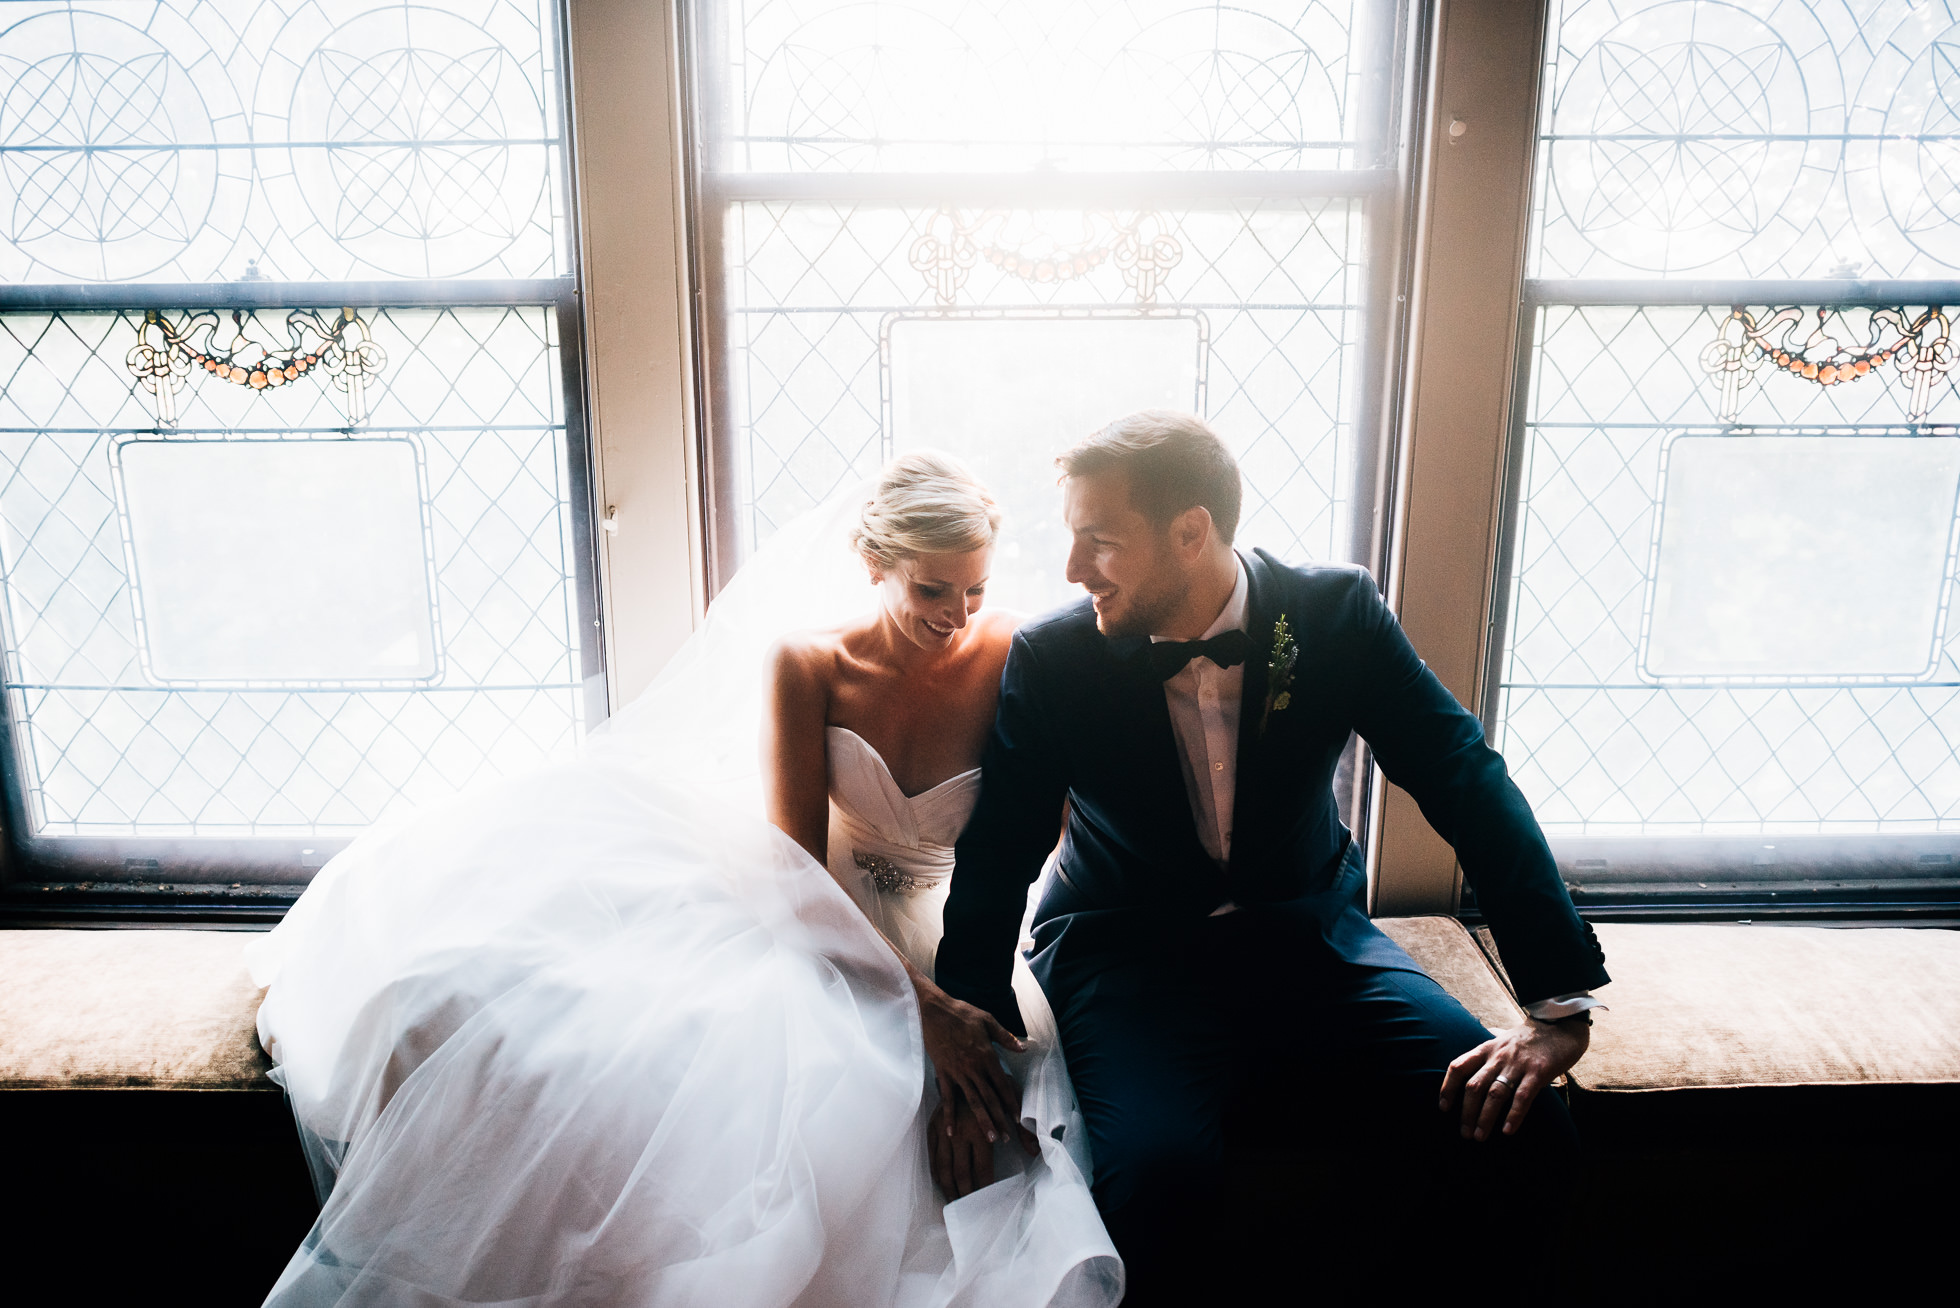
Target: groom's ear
x: 1190, y: 531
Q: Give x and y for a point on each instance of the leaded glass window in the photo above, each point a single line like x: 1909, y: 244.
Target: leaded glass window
x: 194, y: 140
x: 991, y: 228
x: 1727, y: 663
x: 294, y: 520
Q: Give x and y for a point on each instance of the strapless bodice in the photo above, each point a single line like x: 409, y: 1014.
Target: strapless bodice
x: 915, y: 831
x: 894, y: 851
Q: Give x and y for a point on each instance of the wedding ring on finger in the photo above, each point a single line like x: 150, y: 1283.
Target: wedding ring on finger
x: 1498, y: 1080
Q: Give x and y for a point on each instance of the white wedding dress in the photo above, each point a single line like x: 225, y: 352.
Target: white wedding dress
x: 602, y: 1036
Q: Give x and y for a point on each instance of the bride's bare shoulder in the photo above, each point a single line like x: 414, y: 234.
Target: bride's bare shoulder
x: 997, y: 628
x: 808, y: 658
x: 999, y: 624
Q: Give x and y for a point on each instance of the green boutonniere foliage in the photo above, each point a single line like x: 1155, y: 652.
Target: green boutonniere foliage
x: 1279, y: 672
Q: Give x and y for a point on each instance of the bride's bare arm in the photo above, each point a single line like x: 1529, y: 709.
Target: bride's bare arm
x: 795, y: 767
x: 959, y: 1037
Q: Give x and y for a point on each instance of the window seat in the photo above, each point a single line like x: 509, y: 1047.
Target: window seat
x: 1692, y: 1007
x: 129, y: 1010
x: 1729, y: 1029
x: 1749, y: 1084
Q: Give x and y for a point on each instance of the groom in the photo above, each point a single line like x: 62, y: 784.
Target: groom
x: 1205, y: 925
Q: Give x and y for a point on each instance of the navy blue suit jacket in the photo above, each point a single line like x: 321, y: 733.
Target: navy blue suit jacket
x: 1081, y: 720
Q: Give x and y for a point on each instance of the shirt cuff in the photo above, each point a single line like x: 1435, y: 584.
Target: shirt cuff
x: 1561, y: 1006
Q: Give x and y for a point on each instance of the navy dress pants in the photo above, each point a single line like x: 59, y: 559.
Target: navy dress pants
x: 1165, y: 1040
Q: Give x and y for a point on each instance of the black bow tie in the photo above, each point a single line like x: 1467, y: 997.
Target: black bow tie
x: 1167, y: 657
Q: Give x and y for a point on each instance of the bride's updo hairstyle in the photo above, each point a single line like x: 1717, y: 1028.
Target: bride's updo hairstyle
x: 924, y: 502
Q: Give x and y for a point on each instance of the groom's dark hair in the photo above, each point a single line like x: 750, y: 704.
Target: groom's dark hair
x: 1172, y: 462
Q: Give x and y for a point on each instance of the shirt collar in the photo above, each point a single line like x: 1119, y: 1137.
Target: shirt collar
x: 1232, y: 616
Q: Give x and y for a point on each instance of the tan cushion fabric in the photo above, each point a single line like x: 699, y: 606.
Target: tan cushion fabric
x: 1446, y: 951
x: 1704, y: 1006
x: 158, y: 1010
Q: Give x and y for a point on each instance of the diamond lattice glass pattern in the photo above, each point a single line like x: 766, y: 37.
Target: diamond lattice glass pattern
x: 1600, y: 750
x: 1750, y: 138
x: 814, y: 289
x: 186, y: 140
x: 1004, y: 85
x: 107, y: 750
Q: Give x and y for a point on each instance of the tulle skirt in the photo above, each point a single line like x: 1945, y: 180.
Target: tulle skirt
x: 585, y: 1038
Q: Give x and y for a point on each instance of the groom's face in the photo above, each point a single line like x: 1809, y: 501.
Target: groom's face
x: 1122, y: 558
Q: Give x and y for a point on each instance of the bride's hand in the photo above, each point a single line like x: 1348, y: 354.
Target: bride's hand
x: 960, y: 1040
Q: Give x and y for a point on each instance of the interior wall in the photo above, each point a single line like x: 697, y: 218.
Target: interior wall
x: 628, y: 176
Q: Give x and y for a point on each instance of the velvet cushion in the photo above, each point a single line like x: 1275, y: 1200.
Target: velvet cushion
x: 1445, y: 950
x: 128, y: 1010
x: 1724, y: 1006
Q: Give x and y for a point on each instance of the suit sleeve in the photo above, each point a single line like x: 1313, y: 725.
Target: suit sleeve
x: 1023, y: 783
x: 1432, y: 747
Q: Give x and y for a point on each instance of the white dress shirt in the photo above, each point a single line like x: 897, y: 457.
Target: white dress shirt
x: 1204, y: 702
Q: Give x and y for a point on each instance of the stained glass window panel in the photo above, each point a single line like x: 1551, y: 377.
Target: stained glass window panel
x: 207, y: 140
x: 1007, y: 85
x: 1238, y: 161
x: 109, y: 747
x: 1726, y: 608
x: 1598, y: 748
x: 1277, y: 285
x: 1750, y: 138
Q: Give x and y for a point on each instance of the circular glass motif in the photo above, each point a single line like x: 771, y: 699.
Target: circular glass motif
x: 1919, y: 153
x: 1679, y: 141
x: 433, y: 159
x: 1228, y: 89
x: 92, y: 114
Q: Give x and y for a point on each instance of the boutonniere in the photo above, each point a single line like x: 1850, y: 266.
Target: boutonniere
x: 1279, y: 672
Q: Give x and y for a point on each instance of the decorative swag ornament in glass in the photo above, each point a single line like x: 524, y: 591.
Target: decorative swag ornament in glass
x: 343, y: 347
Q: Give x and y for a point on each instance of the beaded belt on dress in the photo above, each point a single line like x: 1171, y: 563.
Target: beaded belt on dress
x: 888, y: 876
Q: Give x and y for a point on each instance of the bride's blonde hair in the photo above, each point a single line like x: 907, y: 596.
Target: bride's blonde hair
x: 925, y: 502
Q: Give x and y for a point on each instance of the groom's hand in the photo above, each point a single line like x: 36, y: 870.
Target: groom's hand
x: 1498, y: 1080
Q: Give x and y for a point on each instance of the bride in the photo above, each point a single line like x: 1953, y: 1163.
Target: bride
x: 602, y: 1035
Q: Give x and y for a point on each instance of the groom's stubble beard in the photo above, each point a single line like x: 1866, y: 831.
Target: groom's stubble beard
x: 1151, y: 605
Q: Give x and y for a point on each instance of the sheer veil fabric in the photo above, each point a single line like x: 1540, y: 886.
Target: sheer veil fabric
x: 601, y: 1035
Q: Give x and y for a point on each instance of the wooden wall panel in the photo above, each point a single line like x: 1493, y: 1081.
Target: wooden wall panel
x: 1469, y: 253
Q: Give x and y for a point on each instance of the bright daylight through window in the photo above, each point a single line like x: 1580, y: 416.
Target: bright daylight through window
x: 290, y: 492
x: 1728, y: 663
x: 992, y: 228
